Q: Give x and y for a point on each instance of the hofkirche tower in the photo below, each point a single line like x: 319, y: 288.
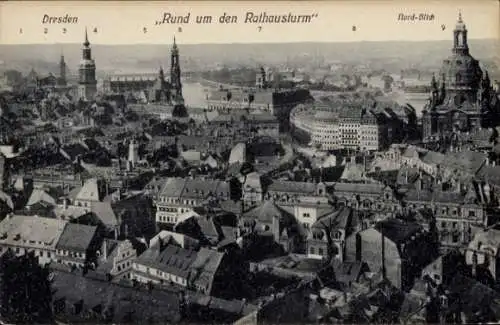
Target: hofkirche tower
x: 87, y: 83
x: 175, y: 82
x: 175, y: 75
x: 462, y: 100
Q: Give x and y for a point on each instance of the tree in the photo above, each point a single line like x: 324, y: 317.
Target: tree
x: 25, y: 288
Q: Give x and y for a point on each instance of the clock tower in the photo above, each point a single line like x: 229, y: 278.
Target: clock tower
x: 87, y: 83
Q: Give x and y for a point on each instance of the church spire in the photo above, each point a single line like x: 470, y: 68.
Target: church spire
x: 86, y: 43
x: 175, y: 72
x: 62, y: 70
x: 434, y: 84
x: 175, y: 49
x: 161, y: 75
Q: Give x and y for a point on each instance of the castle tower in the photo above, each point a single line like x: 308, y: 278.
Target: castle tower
x: 87, y: 83
x: 133, y: 153
x: 62, y: 71
x: 175, y: 74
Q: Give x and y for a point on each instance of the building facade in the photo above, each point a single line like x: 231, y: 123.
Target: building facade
x: 180, y: 195
x: 354, y: 128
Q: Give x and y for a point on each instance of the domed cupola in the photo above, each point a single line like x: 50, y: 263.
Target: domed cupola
x: 461, y: 72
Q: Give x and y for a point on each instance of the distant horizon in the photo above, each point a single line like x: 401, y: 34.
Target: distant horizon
x: 254, y: 43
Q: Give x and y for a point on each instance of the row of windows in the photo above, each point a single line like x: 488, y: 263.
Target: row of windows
x: 37, y: 252
x: 70, y: 253
x: 122, y: 266
x: 320, y: 251
x: 166, y: 275
x: 168, y: 219
x: 167, y: 209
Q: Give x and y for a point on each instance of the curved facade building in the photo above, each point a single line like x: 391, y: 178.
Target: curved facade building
x: 351, y: 127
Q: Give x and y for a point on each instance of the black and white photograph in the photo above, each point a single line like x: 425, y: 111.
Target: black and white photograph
x: 248, y: 163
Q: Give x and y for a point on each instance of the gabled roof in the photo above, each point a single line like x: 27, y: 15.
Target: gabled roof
x: 91, y: 191
x: 170, y: 259
x: 266, y: 211
x: 76, y: 237
x: 39, y: 195
x: 204, y: 268
x: 105, y: 212
x: 339, y: 219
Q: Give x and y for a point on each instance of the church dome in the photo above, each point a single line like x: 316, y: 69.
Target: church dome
x: 461, y: 71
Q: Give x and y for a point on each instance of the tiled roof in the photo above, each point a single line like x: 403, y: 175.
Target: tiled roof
x: 209, y: 227
x: 293, y: 187
x: 105, y: 212
x: 204, y: 268
x: 490, y: 173
x: 437, y: 196
x: 157, y: 305
x: 396, y: 230
x: 39, y: 195
x: 31, y: 231
x: 173, y: 187
x: 467, y: 161
x: 372, y: 188
x: 91, y: 191
x: 339, y: 219
x: 76, y: 237
x: 266, y: 211
x: 170, y: 259
x: 433, y: 158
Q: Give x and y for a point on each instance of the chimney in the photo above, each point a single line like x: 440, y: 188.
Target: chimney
x: 104, y: 250
x: 474, y: 264
x: 276, y: 228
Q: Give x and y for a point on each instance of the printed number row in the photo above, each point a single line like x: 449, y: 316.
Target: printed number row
x: 46, y: 30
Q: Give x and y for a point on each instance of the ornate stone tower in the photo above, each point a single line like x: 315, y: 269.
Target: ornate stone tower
x: 175, y: 74
x: 62, y: 71
x: 87, y: 83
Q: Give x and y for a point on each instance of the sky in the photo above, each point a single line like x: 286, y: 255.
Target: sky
x: 124, y: 22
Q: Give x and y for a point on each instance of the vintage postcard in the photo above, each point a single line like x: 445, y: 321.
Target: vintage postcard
x: 249, y: 162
